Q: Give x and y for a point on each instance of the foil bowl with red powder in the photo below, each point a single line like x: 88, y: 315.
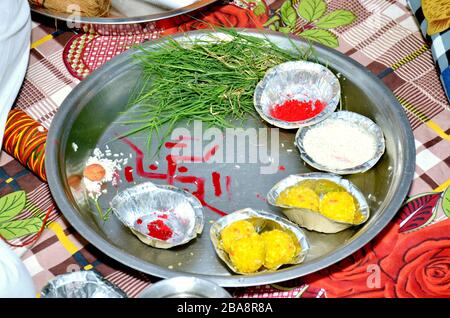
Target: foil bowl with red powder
x: 160, y: 216
x: 297, y: 94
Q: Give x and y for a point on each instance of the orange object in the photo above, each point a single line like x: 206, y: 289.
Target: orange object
x: 25, y: 139
x: 94, y: 172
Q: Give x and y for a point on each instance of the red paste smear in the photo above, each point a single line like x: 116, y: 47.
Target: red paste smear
x: 182, y: 169
x: 159, y: 230
x: 170, y: 145
x: 216, y: 183
x: 228, y: 186
x: 282, y: 168
x: 295, y: 110
x: 260, y: 197
x: 171, y: 169
x: 153, y: 167
x: 181, y: 138
x: 139, y: 221
x: 128, y: 174
x: 116, y: 179
x: 210, y: 153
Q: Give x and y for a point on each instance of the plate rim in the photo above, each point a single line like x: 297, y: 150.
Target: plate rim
x: 57, y: 189
x: 125, y: 20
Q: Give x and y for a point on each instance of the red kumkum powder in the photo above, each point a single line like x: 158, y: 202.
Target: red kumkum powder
x: 295, y: 110
x: 159, y: 230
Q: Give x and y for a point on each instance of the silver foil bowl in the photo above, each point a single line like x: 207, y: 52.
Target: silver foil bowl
x: 147, y: 202
x: 350, y: 117
x: 313, y: 220
x: 263, y: 221
x: 300, y: 80
x: 184, y: 287
x: 83, y: 284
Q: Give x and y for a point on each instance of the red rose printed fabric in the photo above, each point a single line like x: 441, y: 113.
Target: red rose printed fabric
x: 399, y: 263
x: 219, y: 15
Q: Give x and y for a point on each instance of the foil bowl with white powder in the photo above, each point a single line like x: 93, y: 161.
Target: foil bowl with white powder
x: 297, y: 80
x: 145, y: 203
x: 344, y: 143
x: 314, y: 220
x: 262, y: 221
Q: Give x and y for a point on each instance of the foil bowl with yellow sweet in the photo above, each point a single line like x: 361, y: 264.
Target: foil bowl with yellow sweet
x: 321, y: 202
x: 252, y: 242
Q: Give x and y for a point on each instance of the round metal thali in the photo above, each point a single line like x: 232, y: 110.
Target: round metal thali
x: 90, y: 116
x: 127, y: 12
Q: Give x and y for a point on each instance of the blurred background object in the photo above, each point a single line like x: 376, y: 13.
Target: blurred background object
x: 114, y: 11
x: 15, y: 30
x: 184, y: 287
x: 15, y: 281
x: 88, y: 8
x: 170, y: 4
x: 83, y: 284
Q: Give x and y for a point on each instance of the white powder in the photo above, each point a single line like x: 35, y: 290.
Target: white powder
x: 338, y: 144
x: 98, y: 153
x: 109, y: 165
x: 94, y: 188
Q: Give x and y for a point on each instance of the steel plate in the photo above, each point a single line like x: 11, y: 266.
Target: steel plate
x: 132, y: 15
x: 89, y: 117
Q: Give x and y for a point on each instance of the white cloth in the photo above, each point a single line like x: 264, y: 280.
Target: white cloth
x: 15, y: 281
x: 15, y: 30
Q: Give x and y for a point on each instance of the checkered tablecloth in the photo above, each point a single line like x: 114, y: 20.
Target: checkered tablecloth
x: 440, y: 44
x: 412, y: 256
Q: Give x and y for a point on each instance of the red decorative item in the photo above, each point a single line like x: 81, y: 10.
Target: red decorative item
x: 218, y: 15
x: 418, y: 212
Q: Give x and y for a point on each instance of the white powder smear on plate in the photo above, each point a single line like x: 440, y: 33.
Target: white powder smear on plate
x: 94, y: 188
x: 339, y: 144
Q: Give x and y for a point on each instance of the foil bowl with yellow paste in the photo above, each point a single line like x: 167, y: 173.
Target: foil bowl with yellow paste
x: 320, y: 202
x: 251, y: 242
